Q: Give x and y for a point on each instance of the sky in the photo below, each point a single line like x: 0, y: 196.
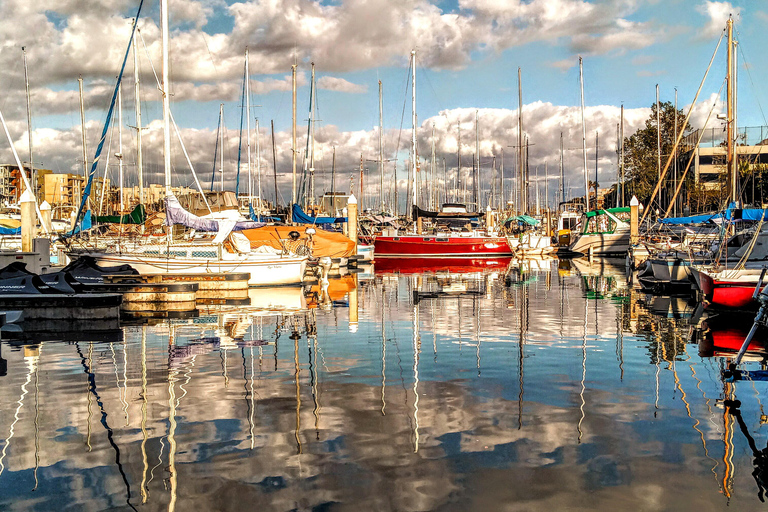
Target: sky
x: 467, y: 57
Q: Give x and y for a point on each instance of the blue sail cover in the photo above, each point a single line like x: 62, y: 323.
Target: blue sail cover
x: 693, y: 219
x: 302, y: 218
x: 747, y: 214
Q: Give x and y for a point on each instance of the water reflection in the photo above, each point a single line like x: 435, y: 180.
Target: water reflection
x: 535, y: 384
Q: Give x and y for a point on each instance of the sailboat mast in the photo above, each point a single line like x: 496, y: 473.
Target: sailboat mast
x: 658, y: 139
x: 458, y: 159
x: 522, y: 206
x: 730, y: 113
x: 221, y: 144
x: 258, y: 169
x: 381, y: 148
x: 274, y: 158
x: 120, y: 143
x: 476, y: 177
x: 29, y: 122
x: 674, y: 160
x: 621, y: 153
x: 597, y: 150
x: 166, y: 105
x: 414, y: 155
x: 503, y: 203
x: 248, y: 127
x: 313, y: 93
x: 433, y: 188
x: 82, y: 127
x: 583, y: 134
x: 137, y: 105
x: 618, y: 165
x: 546, y: 186
x: 293, y: 140
x: 562, y: 178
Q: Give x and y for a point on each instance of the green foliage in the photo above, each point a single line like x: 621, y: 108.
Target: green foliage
x: 641, y: 151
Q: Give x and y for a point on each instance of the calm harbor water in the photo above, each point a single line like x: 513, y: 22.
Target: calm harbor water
x: 538, y: 385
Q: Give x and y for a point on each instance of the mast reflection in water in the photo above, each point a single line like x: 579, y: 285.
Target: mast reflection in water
x: 534, y: 385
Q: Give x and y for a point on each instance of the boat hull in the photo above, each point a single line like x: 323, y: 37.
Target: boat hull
x: 733, y: 291
x: 601, y: 243
x: 268, y: 272
x: 440, y: 246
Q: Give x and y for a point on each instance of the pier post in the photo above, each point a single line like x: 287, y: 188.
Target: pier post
x: 27, y: 202
x: 634, y: 231
x: 45, y: 211
x: 352, y: 220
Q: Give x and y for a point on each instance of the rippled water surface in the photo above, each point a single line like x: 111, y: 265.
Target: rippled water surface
x: 537, y: 386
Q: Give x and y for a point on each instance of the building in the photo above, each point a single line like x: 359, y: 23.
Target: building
x: 709, y: 158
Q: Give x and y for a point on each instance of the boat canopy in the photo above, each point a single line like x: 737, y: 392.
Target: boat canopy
x: 137, y: 216
x: 614, y: 211
x: 301, y: 217
x: 324, y: 243
x: 522, y: 219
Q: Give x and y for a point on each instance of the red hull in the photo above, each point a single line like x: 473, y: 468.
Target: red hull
x: 729, y: 294
x: 733, y: 295
x: 452, y: 265
x: 440, y: 247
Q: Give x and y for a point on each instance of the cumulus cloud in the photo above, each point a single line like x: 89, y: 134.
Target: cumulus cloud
x: 339, y: 84
x: 543, y: 122
x: 717, y: 14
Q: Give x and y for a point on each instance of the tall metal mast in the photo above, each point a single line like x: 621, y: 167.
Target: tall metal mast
x: 221, y: 145
x: 433, y: 188
x: 137, y: 105
x: 312, y: 146
x: 82, y: 127
x: 120, y: 144
x: 248, y: 127
x: 476, y: 177
x: 658, y: 139
x: 414, y: 152
x: 32, y: 179
x: 731, y: 161
x: 164, y: 89
x: 293, y: 140
x: 621, y: 157
x: 523, y: 199
x: 458, y: 159
x: 584, y: 135
x: 562, y: 177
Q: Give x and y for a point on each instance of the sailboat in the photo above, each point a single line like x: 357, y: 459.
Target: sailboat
x: 734, y: 288
x: 227, y: 251
x: 441, y: 244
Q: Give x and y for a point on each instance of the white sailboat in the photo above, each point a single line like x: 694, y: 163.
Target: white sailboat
x: 228, y: 251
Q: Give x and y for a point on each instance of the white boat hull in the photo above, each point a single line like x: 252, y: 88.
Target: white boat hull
x: 271, y: 271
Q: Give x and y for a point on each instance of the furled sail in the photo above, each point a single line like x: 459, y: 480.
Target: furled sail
x: 176, y: 214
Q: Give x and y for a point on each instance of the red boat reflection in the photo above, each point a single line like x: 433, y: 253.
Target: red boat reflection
x: 453, y: 265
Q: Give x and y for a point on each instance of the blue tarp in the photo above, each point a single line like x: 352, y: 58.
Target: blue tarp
x: 10, y: 231
x: 693, y: 219
x: 302, y: 218
x: 748, y: 214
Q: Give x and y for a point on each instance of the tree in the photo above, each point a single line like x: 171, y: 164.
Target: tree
x: 641, y: 151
